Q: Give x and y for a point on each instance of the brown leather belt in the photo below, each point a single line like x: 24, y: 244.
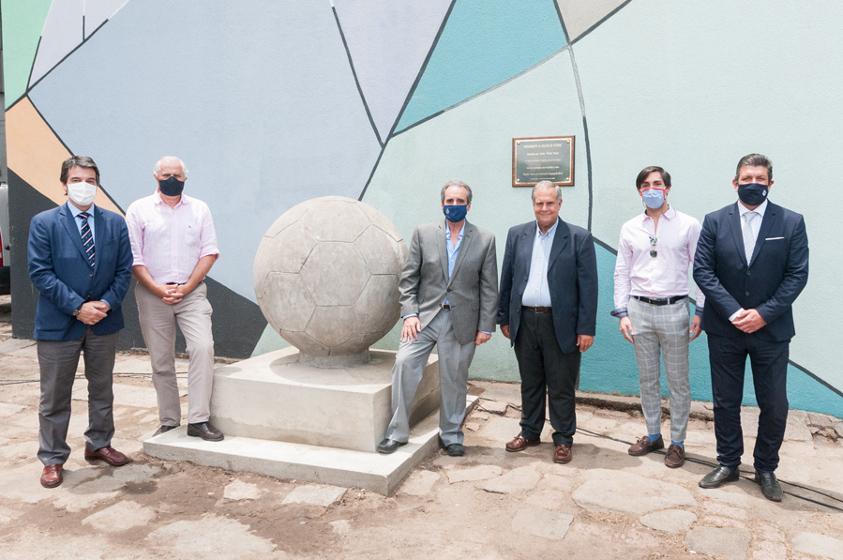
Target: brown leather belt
x: 546, y: 310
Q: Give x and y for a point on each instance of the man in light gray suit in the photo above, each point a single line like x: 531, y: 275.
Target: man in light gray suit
x: 449, y: 291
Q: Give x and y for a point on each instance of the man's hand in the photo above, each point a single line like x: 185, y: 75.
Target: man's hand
x: 184, y: 289
x: 626, y: 329
x: 91, y: 312
x: 168, y: 293
x: 749, y: 321
x: 696, y: 327
x: 481, y: 338
x: 411, y: 329
x: 584, y: 342
x: 505, y: 330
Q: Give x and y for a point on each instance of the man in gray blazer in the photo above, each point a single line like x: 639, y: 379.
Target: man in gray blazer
x: 449, y: 291
x: 548, y: 309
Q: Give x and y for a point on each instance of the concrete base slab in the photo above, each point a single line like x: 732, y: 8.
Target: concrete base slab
x: 302, y: 462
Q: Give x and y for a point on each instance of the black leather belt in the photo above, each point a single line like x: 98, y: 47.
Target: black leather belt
x: 546, y: 310
x: 446, y: 306
x: 660, y: 301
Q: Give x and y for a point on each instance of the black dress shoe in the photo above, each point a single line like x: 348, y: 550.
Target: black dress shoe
x: 719, y: 476
x: 455, y: 450
x: 205, y: 431
x: 162, y: 429
x: 770, y: 486
x: 388, y: 446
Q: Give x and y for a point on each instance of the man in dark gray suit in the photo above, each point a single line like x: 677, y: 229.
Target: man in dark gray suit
x: 449, y: 290
x: 548, y: 310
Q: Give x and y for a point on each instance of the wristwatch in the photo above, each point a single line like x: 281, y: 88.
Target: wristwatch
x: 76, y: 311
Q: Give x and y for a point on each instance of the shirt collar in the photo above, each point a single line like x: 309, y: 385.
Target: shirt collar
x: 669, y: 214
x: 156, y: 196
x: 550, y: 231
x: 75, y: 211
x: 759, y: 210
x: 448, y: 230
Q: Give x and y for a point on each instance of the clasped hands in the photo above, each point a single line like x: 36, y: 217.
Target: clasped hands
x: 172, y: 294
x: 748, y: 320
x: 92, y: 312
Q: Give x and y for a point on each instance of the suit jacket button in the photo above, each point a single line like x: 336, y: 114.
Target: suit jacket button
x: 746, y: 293
x: 749, y: 273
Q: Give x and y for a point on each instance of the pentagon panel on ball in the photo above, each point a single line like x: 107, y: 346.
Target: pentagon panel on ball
x: 326, y: 278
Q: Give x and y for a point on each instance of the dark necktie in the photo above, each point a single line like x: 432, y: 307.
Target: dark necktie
x: 88, y: 239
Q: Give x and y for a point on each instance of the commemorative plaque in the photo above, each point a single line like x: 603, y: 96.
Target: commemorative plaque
x: 543, y: 158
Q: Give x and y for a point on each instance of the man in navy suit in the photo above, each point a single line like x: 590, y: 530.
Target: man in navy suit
x: 751, y: 263
x: 548, y: 309
x: 80, y: 262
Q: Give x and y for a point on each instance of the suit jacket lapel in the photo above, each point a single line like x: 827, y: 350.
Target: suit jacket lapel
x: 737, y: 231
x: 69, y: 223
x: 443, y: 252
x: 560, y: 241
x: 770, y: 215
x: 529, y: 234
x: 467, y: 236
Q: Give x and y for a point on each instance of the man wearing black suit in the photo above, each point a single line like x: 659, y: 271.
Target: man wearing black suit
x: 751, y: 263
x: 548, y: 309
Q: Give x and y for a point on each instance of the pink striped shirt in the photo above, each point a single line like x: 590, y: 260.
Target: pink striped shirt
x: 169, y: 241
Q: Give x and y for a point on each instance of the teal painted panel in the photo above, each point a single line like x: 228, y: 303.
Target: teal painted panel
x: 609, y: 367
x: 484, y: 43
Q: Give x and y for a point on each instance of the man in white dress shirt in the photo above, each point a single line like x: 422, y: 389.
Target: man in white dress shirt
x: 655, y: 254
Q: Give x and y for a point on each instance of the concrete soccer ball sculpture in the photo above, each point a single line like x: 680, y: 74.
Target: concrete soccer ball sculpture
x: 326, y: 278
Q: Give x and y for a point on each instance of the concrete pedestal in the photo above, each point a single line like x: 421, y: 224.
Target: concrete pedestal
x: 290, y: 420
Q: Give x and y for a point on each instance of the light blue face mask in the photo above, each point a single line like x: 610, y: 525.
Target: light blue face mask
x: 653, y: 198
x: 455, y: 212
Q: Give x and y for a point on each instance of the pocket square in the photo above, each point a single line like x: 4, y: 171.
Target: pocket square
x: 772, y: 238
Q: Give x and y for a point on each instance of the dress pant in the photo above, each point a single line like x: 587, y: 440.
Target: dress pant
x: 58, y: 361
x: 548, y: 377
x: 661, y: 331
x: 158, y: 323
x: 454, y: 360
x: 769, y: 375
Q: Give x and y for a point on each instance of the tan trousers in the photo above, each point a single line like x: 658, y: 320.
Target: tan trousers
x: 158, y: 324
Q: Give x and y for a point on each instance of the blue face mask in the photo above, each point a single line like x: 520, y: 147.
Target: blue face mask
x: 455, y: 212
x: 653, y: 198
x: 752, y: 194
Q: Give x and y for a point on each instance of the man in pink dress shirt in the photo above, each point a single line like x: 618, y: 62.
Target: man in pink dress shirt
x: 655, y: 254
x: 174, y: 245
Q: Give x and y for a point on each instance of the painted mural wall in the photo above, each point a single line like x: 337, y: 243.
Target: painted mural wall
x: 271, y: 102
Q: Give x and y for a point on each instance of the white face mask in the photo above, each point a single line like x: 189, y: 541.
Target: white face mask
x: 82, y: 194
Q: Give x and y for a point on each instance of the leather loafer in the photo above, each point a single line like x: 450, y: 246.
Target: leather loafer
x: 562, y: 454
x: 107, y: 454
x: 770, y: 486
x: 520, y: 443
x: 644, y: 446
x: 675, y: 456
x: 388, y: 446
x: 163, y: 429
x: 51, y: 476
x: 205, y: 431
x: 720, y: 476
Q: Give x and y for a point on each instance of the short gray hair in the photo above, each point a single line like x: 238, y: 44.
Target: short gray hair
x: 542, y: 185
x: 157, y: 168
x: 455, y: 183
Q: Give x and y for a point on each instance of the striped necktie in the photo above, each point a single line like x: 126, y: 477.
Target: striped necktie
x: 88, y: 239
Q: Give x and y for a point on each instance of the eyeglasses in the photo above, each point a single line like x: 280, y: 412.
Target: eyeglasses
x: 653, y: 251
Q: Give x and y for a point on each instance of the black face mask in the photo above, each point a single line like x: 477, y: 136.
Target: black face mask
x: 752, y: 194
x: 171, y: 186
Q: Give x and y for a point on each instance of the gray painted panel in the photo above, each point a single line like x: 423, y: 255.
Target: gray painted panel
x: 97, y: 11
x: 260, y: 103
x: 388, y: 60
x: 62, y: 32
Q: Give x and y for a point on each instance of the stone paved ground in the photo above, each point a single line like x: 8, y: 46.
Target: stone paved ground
x: 489, y: 504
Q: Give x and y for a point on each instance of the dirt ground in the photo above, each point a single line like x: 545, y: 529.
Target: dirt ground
x: 489, y: 504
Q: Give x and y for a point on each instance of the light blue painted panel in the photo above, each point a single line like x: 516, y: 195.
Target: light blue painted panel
x: 485, y: 42
x: 260, y: 102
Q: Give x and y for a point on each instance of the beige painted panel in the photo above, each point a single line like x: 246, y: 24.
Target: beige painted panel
x: 35, y: 154
x: 579, y: 15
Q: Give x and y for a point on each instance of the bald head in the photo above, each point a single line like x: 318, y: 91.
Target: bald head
x: 173, y: 165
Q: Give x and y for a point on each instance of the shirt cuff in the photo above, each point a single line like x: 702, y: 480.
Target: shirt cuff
x: 408, y: 315
x: 620, y: 312
x: 486, y: 332
x: 699, y: 311
x: 735, y: 314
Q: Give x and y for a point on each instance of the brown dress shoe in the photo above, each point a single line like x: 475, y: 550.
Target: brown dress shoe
x: 107, y: 454
x: 51, y: 476
x: 675, y: 456
x: 644, y: 446
x: 520, y: 443
x: 562, y: 454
